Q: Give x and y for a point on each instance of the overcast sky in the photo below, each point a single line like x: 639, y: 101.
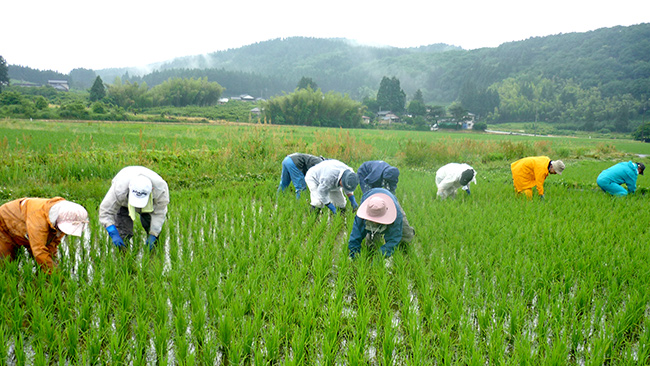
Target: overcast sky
x: 67, y: 34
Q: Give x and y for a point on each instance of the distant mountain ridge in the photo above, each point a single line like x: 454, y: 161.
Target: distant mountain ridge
x: 616, y: 60
x: 334, y: 63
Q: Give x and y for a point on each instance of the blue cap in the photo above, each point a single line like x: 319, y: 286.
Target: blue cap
x: 349, y: 180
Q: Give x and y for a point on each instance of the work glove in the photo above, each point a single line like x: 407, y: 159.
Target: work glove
x: 115, y: 237
x: 331, y: 207
x: 151, y: 241
x: 467, y: 190
x: 354, y: 203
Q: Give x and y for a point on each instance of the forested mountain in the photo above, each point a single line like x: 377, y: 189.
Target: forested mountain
x: 276, y: 66
x: 617, y: 60
x: 589, y: 79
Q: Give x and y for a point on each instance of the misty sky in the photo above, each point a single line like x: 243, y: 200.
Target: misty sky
x: 67, y: 34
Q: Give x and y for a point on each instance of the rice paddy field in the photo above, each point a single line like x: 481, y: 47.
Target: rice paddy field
x: 245, y: 276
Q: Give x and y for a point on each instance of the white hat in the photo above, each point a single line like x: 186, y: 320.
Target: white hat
x: 558, y: 166
x: 71, y: 218
x: 139, y: 191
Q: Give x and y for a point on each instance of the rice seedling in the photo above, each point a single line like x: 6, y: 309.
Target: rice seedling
x: 4, y: 344
x: 20, y: 355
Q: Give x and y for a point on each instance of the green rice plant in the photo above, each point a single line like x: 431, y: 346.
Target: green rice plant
x: 94, y: 345
x: 4, y: 344
x: 384, y: 289
x: 558, y: 351
x: 497, y: 344
x: 181, y: 347
x: 331, y: 339
x: 628, y: 321
x: 40, y: 357
x: 643, y: 352
x: 299, y: 345
x: 388, y: 346
x: 355, y: 354
x: 198, y: 319
x: 141, y: 339
x: 272, y: 342
x: 161, y: 341
x: 444, y: 347
x: 17, y: 317
x: 225, y: 332
x: 19, y: 352
x: 85, y: 313
x: 72, y: 340
x: 44, y: 329
x: 469, y: 350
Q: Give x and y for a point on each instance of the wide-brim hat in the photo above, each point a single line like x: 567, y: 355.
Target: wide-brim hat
x: 139, y: 191
x: 72, y: 218
x: 378, y: 208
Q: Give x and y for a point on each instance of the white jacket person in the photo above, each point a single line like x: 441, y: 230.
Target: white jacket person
x: 135, y: 189
x: 453, y: 176
x: 329, y: 182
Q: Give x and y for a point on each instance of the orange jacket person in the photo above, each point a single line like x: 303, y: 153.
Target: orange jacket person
x: 532, y: 172
x: 39, y: 224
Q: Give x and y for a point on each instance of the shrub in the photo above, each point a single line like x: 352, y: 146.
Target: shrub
x: 10, y: 98
x: 40, y: 102
x: 480, y: 126
x: 75, y: 110
x: 98, y: 108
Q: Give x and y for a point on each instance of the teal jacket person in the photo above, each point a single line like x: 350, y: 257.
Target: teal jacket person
x: 611, y: 179
x: 379, y: 215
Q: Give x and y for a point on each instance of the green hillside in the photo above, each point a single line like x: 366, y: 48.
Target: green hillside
x: 597, y: 80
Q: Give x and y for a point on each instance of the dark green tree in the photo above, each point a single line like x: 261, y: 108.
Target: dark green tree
x: 313, y: 108
x: 642, y: 133
x: 416, y: 106
x: 306, y: 82
x: 622, y: 118
x: 371, y: 105
x: 98, y: 90
x: 40, y: 102
x: 435, y: 113
x: 390, y: 96
x: 183, y: 92
x: 4, y: 73
x: 418, y: 96
x: 82, y: 78
x: 458, y: 112
x: 129, y: 95
x: 11, y: 98
x: 479, y: 102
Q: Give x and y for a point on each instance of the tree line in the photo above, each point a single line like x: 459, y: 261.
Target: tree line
x: 598, y: 80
